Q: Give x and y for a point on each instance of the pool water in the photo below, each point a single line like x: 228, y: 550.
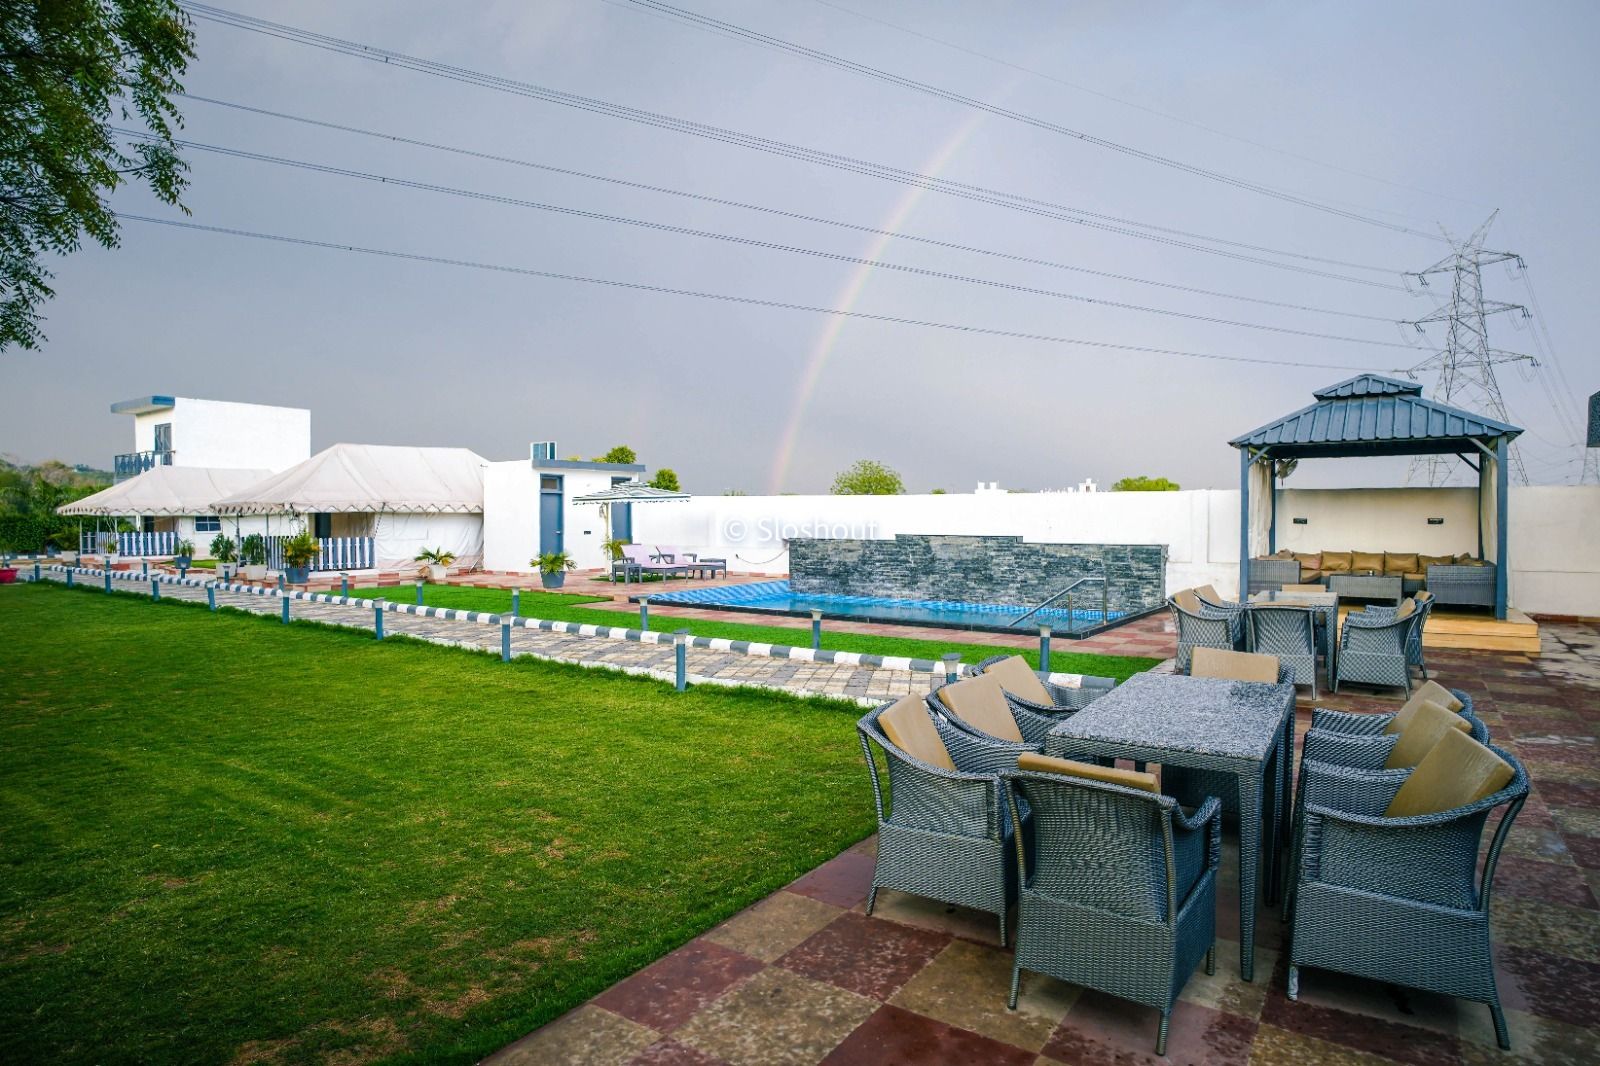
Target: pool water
x: 777, y: 597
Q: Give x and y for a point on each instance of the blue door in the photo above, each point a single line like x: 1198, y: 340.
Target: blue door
x: 621, y: 515
x: 551, y: 536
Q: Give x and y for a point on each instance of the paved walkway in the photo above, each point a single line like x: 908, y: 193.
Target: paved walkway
x: 705, y: 666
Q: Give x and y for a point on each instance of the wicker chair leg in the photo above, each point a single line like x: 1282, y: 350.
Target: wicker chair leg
x: 1016, y: 984
x: 872, y: 898
x: 1501, y: 1037
x: 1161, y: 1037
x: 1211, y: 960
x: 1002, y: 928
x: 1294, y: 982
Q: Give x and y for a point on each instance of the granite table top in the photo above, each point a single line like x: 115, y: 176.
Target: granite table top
x: 1205, y: 716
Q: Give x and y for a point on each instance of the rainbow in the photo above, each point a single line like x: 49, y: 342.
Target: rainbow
x: 855, y: 284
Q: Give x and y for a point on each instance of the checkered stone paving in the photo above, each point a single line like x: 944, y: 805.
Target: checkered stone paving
x: 805, y: 976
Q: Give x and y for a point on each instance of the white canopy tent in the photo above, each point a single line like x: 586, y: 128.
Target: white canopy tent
x: 405, y: 498
x: 165, y: 491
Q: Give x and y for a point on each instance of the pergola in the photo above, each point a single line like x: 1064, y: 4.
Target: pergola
x: 1372, y: 415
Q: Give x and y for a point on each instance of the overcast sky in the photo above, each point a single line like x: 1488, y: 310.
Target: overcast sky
x: 1418, y: 114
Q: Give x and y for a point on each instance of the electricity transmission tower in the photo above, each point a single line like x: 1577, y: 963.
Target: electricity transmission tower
x: 1466, y: 363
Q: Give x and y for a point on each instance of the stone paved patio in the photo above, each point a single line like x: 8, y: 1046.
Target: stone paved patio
x: 805, y: 976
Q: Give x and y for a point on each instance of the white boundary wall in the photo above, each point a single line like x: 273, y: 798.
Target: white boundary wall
x: 1554, y: 530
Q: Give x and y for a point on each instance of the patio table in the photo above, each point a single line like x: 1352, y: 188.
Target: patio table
x: 1326, y: 605
x: 1368, y: 587
x: 1240, y: 728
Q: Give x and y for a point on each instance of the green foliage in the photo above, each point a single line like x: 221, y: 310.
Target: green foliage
x: 868, y: 477
x: 936, y: 492
x: 222, y: 548
x: 436, y: 556
x: 183, y: 549
x: 1145, y: 484
x: 69, y: 69
x: 29, y: 496
x: 300, y: 549
x: 620, y: 454
x: 613, y: 547
x: 666, y: 478
x: 335, y: 871
x: 253, y: 550
x: 554, y: 563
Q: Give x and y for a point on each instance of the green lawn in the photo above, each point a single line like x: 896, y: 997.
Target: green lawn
x: 226, y: 839
x: 557, y: 607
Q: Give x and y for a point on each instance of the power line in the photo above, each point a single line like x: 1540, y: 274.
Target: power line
x: 877, y: 264
x: 878, y: 74
x: 783, y: 213
x: 1147, y: 109
x: 728, y: 298
x: 1161, y: 235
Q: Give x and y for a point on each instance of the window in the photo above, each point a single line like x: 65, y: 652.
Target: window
x: 207, y: 523
x: 322, y: 525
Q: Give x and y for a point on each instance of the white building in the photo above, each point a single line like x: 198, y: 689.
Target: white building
x: 180, y: 431
x: 528, y: 510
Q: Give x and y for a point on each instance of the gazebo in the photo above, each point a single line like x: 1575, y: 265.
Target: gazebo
x: 1372, y: 415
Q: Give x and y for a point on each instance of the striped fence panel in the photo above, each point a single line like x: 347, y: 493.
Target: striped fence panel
x: 337, y: 553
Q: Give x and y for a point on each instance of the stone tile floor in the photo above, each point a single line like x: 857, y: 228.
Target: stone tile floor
x: 805, y: 976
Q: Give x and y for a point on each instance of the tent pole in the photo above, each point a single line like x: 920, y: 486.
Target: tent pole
x: 1272, y: 520
x: 1244, y: 524
x: 1501, y: 564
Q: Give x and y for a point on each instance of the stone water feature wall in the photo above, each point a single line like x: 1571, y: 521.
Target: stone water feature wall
x: 978, y: 570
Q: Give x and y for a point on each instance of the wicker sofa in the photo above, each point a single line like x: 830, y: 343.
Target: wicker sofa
x: 1454, y: 579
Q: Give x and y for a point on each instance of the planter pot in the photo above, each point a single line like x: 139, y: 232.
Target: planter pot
x: 226, y: 570
x: 254, y: 573
x: 68, y: 558
x: 8, y: 575
x: 435, y: 573
x: 182, y: 562
x: 553, y: 581
x: 297, y: 575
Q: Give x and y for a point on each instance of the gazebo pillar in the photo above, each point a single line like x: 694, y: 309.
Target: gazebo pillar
x: 1501, y: 563
x: 1244, y: 524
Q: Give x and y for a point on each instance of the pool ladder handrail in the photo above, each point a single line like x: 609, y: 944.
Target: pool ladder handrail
x: 1105, y: 596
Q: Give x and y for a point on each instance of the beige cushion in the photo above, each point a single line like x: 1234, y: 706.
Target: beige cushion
x: 909, y: 728
x: 1407, y: 609
x: 1310, y: 563
x: 1425, y: 561
x: 1367, y: 561
x: 980, y: 702
x: 1427, y: 724
x: 1394, y: 563
x: 1432, y: 690
x: 1206, y: 592
x: 1018, y: 678
x: 1403, y: 716
x: 1187, y: 600
x: 1413, y: 575
x: 1458, y: 771
x: 1335, y: 562
x: 1304, y: 588
x: 1110, y: 775
x: 1234, y: 665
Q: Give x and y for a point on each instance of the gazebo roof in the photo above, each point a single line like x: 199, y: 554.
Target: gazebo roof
x: 1373, y: 415
x: 632, y: 492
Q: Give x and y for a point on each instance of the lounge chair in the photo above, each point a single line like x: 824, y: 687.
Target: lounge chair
x: 641, y: 560
x: 699, y: 565
x: 1120, y: 891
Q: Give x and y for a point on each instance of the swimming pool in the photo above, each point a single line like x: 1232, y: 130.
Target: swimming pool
x: 777, y: 597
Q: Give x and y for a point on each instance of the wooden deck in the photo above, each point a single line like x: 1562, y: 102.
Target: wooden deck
x: 1479, y: 631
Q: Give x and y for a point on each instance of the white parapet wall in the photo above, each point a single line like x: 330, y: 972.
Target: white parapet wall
x: 1554, y: 531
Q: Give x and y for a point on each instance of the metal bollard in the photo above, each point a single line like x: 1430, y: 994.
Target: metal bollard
x: 108, y: 577
x: 680, y: 648
x: 377, y: 618
x: 816, y: 630
x: 644, y: 613
x: 419, y: 594
x: 69, y: 580
x: 211, y: 597
x: 344, y: 585
x: 144, y: 567
x: 952, y: 666
x: 516, y: 603
x: 285, y: 610
x: 1044, y: 647
x: 36, y: 570
x: 282, y: 584
x: 505, y: 642
x: 155, y: 590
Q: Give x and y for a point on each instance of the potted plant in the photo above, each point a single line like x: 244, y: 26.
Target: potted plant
x: 224, y: 552
x: 113, y: 548
x: 253, y: 557
x: 553, y: 567
x: 66, y: 547
x: 8, y: 572
x: 183, y: 554
x: 434, y: 562
x: 299, y: 552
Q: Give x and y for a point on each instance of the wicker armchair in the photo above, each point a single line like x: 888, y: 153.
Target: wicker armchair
x: 1373, y: 651
x: 1425, y: 602
x: 1121, y: 893
x: 1212, y: 600
x: 1200, y: 626
x: 1034, y: 715
x: 1290, y: 633
x: 1398, y: 899
x: 978, y: 705
x: 943, y: 833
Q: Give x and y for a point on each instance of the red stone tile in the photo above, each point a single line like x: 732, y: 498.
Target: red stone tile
x: 1585, y: 850
x: 1548, y: 881
x: 1554, y: 986
x: 896, y: 1037
x: 843, y: 880
x: 1566, y: 794
x: 669, y: 1052
x: 671, y: 990
x: 868, y: 956
x: 1102, y: 1030
x: 1362, y: 1032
